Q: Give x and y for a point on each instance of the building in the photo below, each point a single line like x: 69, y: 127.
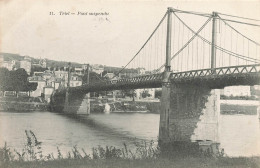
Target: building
x: 79, y: 71
x: 56, y: 83
x: 150, y: 93
x: 99, y: 69
x: 47, y: 91
x: 26, y: 64
x: 75, y: 81
x: 41, y: 63
x: 61, y: 74
x: 237, y: 91
x: 140, y: 71
x: 10, y: 65
x: 41, y: 84
x: 109, y: 76
x: 255, y: 90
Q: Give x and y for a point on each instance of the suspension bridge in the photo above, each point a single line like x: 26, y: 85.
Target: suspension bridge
x: 188, y: 64
x: 214, y: 51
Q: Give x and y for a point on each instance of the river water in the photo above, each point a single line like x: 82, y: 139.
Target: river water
x: 239, y: 134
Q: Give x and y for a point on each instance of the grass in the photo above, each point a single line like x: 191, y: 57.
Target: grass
x: 145, y: 155
x: 143, y: 163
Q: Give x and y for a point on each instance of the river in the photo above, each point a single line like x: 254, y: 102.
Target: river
x: 239, y: 134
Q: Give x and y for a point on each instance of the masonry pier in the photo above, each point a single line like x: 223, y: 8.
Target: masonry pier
x: 78, y: 104
x: 189, y: 115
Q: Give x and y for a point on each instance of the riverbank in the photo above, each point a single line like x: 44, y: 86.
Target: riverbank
x: 20, y: 104
x: 146, y: 155
x: 253, y: 162
x: 241, y: 102
x: 249, y: 107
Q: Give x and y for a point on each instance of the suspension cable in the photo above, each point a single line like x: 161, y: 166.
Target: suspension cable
x: 221, y: 49
x: 235, y: 21
x: 143, y: 44
x: 238, y: 17
x: 191, y: 12
x: 209, y: 15
x: 196, y: 34
x: 238, y: 31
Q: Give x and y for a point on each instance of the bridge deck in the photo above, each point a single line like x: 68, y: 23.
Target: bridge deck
x: 214, y: 78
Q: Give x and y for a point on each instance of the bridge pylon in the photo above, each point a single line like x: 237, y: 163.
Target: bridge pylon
x: 189, y: 113
x: 166, y: 85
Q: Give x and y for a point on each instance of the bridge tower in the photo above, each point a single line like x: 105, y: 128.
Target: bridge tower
x: 189, y: 112
x: 166, y: 86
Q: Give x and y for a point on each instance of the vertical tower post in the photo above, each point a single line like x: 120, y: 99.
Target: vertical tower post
x: 214, y: 40
x: 68, y: 84
x: 168, y: 41
x: 87, y: 74
x: 66, y: 106
x: 166, y: 87
x: 88, y: 94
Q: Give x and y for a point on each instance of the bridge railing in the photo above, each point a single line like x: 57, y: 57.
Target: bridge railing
x: 244, y: 69
x: 153, y: 80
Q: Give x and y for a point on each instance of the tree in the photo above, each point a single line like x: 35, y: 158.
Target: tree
x: 158, y: 94
x: 145, y: 94
x: 130, y: 93
x: 15, y: 81
x: 4, y: 79
x: 31, y: 87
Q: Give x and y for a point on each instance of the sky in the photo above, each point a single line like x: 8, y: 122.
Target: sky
x: 27, y: 28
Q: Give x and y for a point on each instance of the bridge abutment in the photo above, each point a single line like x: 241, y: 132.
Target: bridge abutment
x: 189, y: 113
x: 84, y: 107
x: 77, y: 104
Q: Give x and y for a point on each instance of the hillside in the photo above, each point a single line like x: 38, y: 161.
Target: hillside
x: 54, y: 63
x: 50, y: 63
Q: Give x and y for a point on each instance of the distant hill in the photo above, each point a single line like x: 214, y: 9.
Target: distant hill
x: 50, y: 63
x: 8, y: 56
x: 56, y: 64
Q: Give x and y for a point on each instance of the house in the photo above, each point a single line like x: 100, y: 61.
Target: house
x: 148, y: 93
x: 26, y: 64
x: 41, y: 63
x: 61, y: 74
x: 237, y: 91
x: 109, y: 76
x: 41, y: 84
x: 47, y: 91
x: 99, y: 69
x: 75, y: 81
x: 79, y: 71
x: 140, y: 71
x: 10, y: 65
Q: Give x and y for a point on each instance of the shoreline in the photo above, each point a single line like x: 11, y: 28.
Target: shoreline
x: 241, y: 102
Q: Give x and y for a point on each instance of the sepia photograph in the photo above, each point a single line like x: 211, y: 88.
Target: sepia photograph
x: 129, y: 84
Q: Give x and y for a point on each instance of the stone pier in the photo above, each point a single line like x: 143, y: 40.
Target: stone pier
x: 79, y: 104
x: 189, y: 113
